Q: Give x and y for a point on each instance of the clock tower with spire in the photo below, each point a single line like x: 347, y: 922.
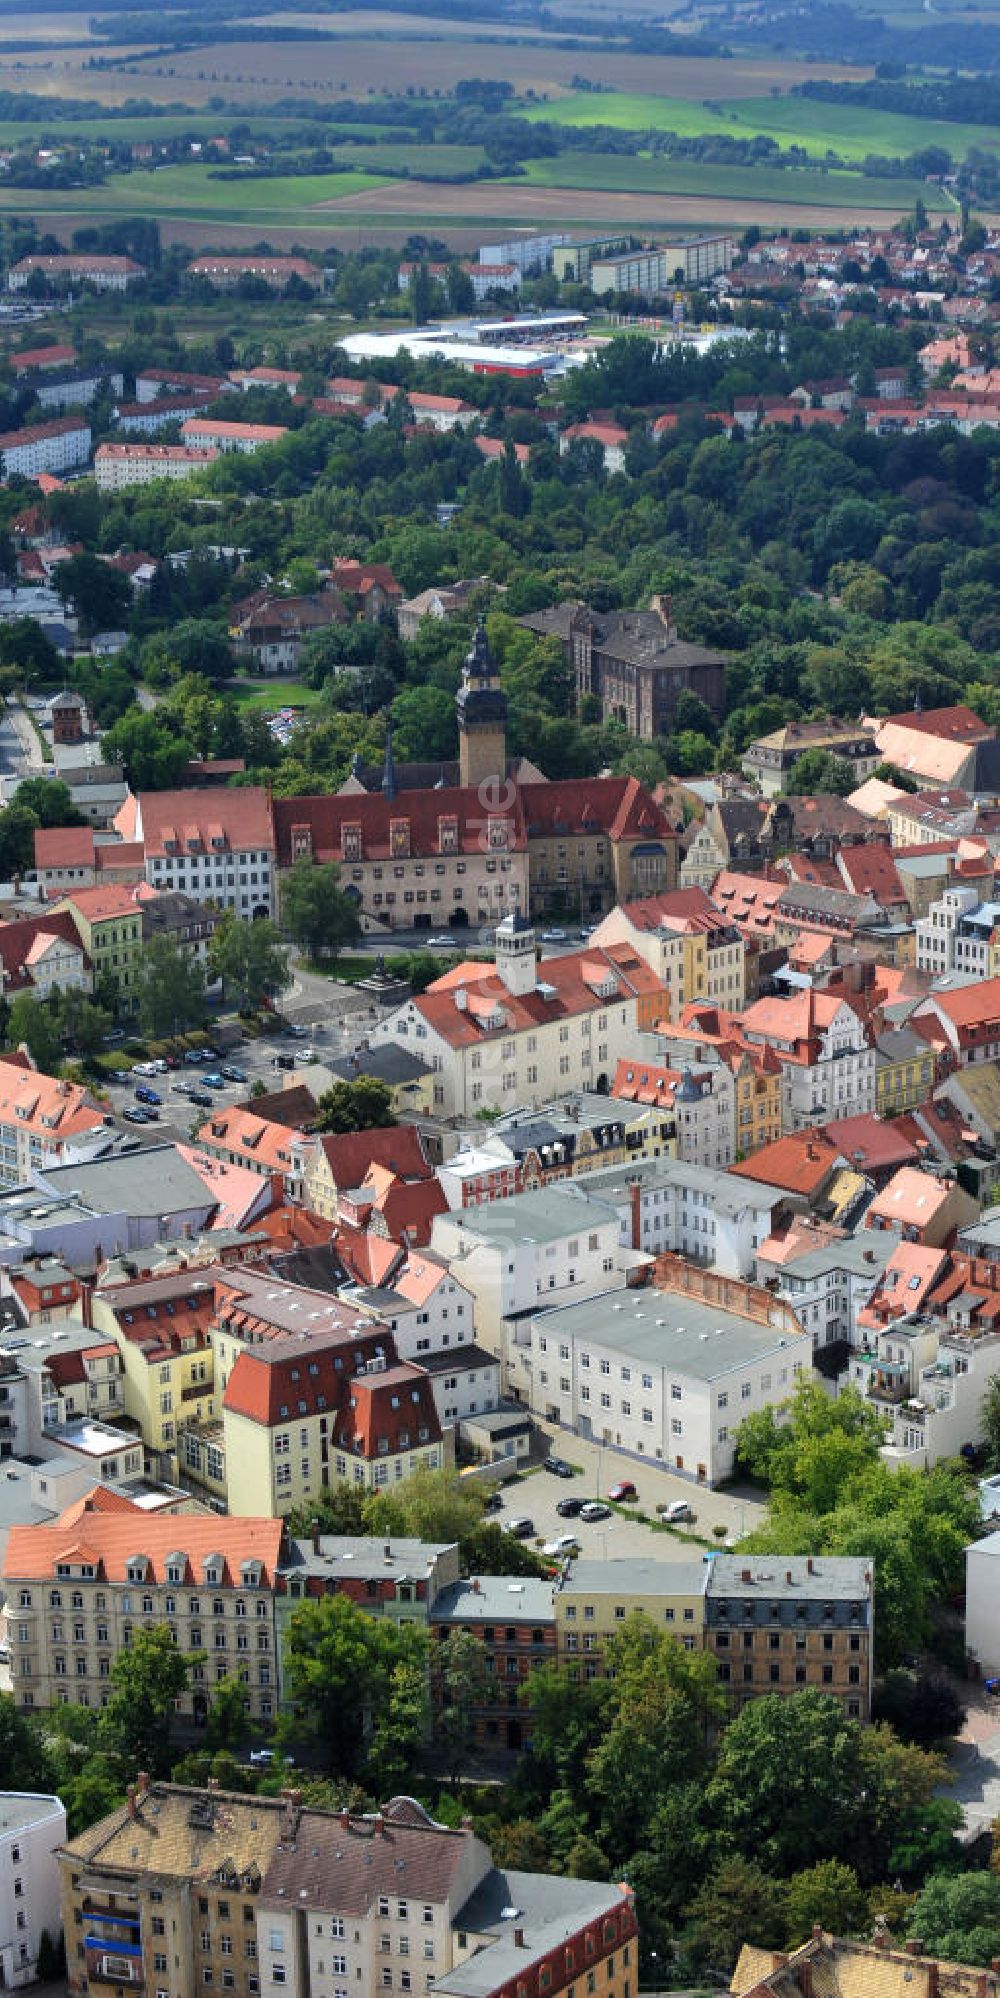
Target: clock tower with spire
x: 482, y: 716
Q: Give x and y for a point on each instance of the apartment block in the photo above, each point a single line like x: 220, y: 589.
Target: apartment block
x: 780, y: 1623
x: 118, y: 466
x: 79, y: 1589
x: 59, y: 446
x: 215, y: 845
x: 514, y: 1623
x: 696, y: 952
x: 32, y: 1828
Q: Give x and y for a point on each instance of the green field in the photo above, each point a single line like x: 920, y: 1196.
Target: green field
x: 190, y: 194
x: 803, y: 121
x: 272, y: 694
x: 787, y: 186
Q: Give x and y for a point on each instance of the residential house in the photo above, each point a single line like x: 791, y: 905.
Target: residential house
x: 937, y: 746
x: 160, y: 1325
x: 108, y: 923
x: 771, y: 760
x: 268, y: 630
x: 371, y: 585
x: 516, y: 1627
x: 216, y: 433
x: 826, y: 1055
x: 32, y: 1829
x: 44, y: 1122
x: 778, y: 1625
x: 103, y: 272
x: 340, y: 1163
x: 925, y: 1209
x: 696, y: 953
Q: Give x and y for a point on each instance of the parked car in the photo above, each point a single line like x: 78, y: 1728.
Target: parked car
x: 182, y: 1088
x: 494, y: 1502
x: 307, y: 1055
x: 623, y: 1492
x: 134, y: 1115
x: 553, y: 936
x: 146, y: 1095
x: 213, y: 1080
x: 298, y: 1032
x: 261, y: 1757
x: 283, y: 1061
x: 568, y: 1508
x: 146, y: 1068
x: 201, y: 1097
x: 564, y: 1543
x: 595, y: 1509
x: 521, y: 1527
x: 172, y: 1061
x: 159, y: 1066
x: 121, y: 1075
x: 234, y: 1074
x: 193, y: 1057
x: 674, y: 1509
x: 441, y: 943
x: 559, y: 1467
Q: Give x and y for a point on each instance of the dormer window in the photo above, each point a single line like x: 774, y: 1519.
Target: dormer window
x: 350, y: 842
x: 497, y: 832
x: 448, y: 835
x: 399, y: 839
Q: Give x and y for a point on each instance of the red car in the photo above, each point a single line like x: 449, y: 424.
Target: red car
x: 625, y: 1489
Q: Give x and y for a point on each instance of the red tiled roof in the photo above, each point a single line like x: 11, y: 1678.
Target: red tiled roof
x: 64, y: 846
x: 350, y: 1155
x: 424, y: 812
x: 870, y: 1144
x: 18, y: 942
x: 242, y: 816
x: 114, y: 1541
x: 580, y: 982
x: 802, y: 1162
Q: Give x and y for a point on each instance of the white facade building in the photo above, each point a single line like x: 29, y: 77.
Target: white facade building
x: 117, y: 466
x: 664, y: 1375
x: 431, y: 1316
x: 982, y: 1604
x: 672, y: 1207
x: 59, y: 446
x: 32, y: 1828
x: 828, y: 1286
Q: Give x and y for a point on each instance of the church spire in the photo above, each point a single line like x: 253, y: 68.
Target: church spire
x: 389, y: 767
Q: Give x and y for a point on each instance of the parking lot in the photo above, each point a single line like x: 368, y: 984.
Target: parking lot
x: 596, y: 1469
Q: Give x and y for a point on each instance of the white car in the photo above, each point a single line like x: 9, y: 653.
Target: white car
x: 308, y: 1054
x: 675, y: 1509
x: 146, y: 1068
x: 564, y: 1543
x: 440, y: 943
x: 553, y: 936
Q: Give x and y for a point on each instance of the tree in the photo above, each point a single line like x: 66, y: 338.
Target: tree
x: 18, y: 826
x: 316, y: 912
x: 23, y: 1757
x: 339, y: 1665
x: 362, y: 1105
x: 147, y: 1678
x: 817, y: 770
x: 430, y: 1505
x: 171, y: 988
x: 80, y: 1023
x: 101, y: 595
x: 739, y: 1903
x: 664, y: 1699
x: 809, y: 1445
x: 787, y: 1781
x: 34, y: 1024
x: 828, y: 1893
x: 51, y: 801
x: 422, y: 290
x: 921, y: 1707
x: 250, y: 958
x: 958, y: 1917
x: 462, y: 1686
x: 990, y: 1422
x: 425, y: 725
x: 151, y: 752
x: 227, y: 1721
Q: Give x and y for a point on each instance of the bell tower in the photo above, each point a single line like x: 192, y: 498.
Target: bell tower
x: 481, y: 705
x: 514, y: 955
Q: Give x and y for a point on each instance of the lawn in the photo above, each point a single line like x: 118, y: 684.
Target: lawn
x: 273, y: 694
x: 787, y: 186
x: 852, y: 131
x: 202, y: 125
x: 427, y: 162
x: 190, y: 193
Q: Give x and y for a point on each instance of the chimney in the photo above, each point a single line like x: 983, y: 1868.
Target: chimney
x: 477, y: 1586
x: 130, y: 1801
x: 519, y: 1938
x: 379, y: 1823
x: 746, y: 1576
x: 810, y: 1569
x: 345, y: 1818
x: 387, y: 1551
x: 880, y: 1939
x: 142, y: 1782
x: 314, y: 1530
x: 788, y: 1578
x: 635, y: 1205
x: 995, y: 1965
x: 932, y: 1979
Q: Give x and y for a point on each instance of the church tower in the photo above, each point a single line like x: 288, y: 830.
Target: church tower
x: 514, y: 955
x: 482, y: 716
